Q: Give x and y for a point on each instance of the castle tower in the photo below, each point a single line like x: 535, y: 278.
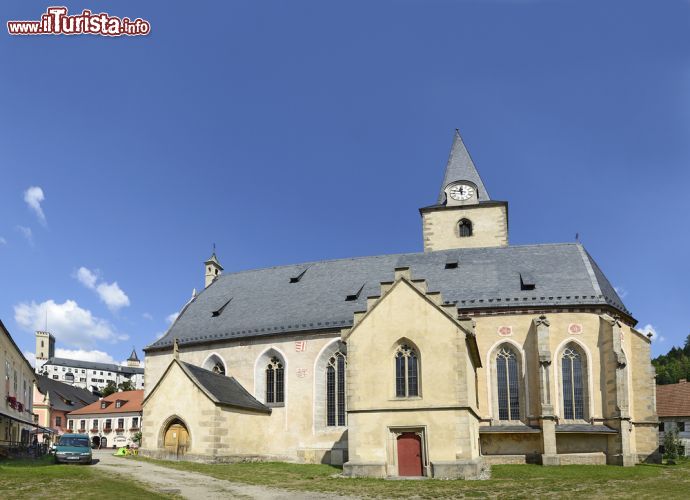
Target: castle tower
x: 133, y: 359
x: 212, y: 267
x: 464, y: 215
x: 45, y: 348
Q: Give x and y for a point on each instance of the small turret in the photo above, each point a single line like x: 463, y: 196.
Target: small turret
x: 212, y: 267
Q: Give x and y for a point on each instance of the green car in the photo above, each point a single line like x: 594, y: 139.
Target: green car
x: 73, y: 448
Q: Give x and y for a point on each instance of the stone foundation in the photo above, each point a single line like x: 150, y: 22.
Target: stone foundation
x: 210, y: 459
x: 364, y: 469
x: 582, y: 459
x: 456, y: 469
x: 511, y: 459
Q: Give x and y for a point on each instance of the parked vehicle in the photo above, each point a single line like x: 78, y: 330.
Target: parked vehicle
x: 73, y: 448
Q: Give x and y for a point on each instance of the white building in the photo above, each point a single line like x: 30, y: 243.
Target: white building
x: 91, y: 375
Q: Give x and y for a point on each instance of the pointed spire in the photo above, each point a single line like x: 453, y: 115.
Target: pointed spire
x: 460, y: 167
x: 213, y: 259
x: 133, y: 356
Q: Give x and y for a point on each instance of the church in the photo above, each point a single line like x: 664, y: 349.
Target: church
x: 429, y: 364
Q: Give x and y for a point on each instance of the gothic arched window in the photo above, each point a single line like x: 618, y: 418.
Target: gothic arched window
x: 335, y: 390
x: 406, y: 372
x: 464, y: 228
x: 508, y: 384
x: 215, y: 364
x: 275, y: 381
x: 573, y: 383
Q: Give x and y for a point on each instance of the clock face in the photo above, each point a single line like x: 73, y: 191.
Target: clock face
x: 461, y: 192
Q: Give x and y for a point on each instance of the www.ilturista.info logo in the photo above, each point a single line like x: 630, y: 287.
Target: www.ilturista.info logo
x: 56, y: 21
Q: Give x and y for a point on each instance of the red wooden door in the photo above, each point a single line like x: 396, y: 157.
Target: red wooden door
x: 409, y: 454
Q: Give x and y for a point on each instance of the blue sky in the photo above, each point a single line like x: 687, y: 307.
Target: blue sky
x: 294, y: 131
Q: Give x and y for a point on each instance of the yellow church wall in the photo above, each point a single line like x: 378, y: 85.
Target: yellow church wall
x: 489, y: 227
x: 296, y: 430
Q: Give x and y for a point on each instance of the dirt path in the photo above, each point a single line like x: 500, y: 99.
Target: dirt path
x: 193, y: 485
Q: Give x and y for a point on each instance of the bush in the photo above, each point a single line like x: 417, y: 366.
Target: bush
x: 672, y: 444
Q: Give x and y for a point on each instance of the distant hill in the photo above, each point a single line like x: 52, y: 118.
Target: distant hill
x: 674, y: 365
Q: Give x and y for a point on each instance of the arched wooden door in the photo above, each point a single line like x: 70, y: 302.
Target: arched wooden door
x: 177, y: 439
x: 409, y: 454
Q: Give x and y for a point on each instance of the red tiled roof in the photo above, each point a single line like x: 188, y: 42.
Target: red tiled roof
x: 131, y: 403
x: 673, y: 400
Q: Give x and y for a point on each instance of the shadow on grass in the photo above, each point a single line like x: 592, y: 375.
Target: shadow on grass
x: 28, y: 462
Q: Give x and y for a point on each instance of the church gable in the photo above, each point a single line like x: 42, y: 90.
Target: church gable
x: 408, y: 348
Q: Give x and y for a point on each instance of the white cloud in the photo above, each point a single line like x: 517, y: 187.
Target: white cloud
x: 33, y: 197
x: 147, y: 316
x: 86, y: 277
x: 651, y: 329
x: 170, y: 318
x: 31, y: 358
x: 84, y: 355
x: 110, y: 293
x: 27, y: 233
x: 3, y: 241
x: 69, y: 323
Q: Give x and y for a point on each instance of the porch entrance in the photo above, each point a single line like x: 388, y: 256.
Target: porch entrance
x: 176, y: 439
x: 95, y: 442
x: 409, y: 454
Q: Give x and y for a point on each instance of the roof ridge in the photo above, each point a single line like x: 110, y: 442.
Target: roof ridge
x: 375, y: 256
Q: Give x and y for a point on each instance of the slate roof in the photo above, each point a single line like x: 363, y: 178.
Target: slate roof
x: 673, y: 400
x: 91, y: 365
x: 64, y: 397
x: 460, y: 167
x: 133, y: 356
x: 223, y: 390
x: 265, y: 301
x: 132, y: 404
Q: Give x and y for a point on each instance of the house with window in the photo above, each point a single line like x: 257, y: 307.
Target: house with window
x: 17, y: 419
x: 415, y: 364
x: 53, y: 400
x: 673, y: 408
x: 112, y: 421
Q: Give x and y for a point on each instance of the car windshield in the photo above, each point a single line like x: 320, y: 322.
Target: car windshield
x: 74, y: 441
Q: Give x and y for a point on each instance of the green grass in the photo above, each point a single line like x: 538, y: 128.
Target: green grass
x: 508, y: 481
x: 43, y: 478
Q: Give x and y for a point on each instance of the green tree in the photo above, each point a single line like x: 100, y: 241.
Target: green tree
x: 674, y: 365
x: 126, y: 386
x: 109, y: 389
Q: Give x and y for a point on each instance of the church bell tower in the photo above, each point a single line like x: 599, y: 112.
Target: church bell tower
x: 464, y: 215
